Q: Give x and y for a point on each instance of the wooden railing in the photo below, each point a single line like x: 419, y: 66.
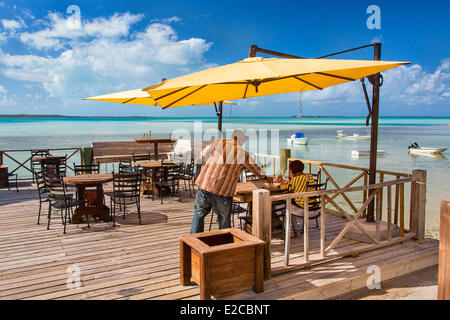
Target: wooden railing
x: 361, y: 175
x: 262, y: 218
x: 21, y: 159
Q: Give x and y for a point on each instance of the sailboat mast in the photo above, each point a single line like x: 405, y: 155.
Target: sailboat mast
x: 301, y: 111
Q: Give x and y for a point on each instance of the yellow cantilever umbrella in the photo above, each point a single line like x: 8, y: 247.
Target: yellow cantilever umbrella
x: 254, y: 77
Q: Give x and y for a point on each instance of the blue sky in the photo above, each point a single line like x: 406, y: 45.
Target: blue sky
x: 49, y: 60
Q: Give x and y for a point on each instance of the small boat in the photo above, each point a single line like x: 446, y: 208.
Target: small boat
x: 365, y: 153
x: 416, y: 149
x: 355, y: 136
x: 298, y: 138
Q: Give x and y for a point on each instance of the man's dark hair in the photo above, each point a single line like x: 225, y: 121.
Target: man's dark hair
x: 296, y: 166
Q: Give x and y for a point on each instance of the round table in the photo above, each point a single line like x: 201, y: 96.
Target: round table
x: 148, y: 186
x: 96, y: 208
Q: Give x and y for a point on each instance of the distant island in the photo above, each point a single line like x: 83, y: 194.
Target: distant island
x: 59, y: 116
x: 62, y: 116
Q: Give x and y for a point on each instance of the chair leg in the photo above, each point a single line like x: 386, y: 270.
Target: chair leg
x: 65, y: 221
x: 49, y: 215
x: 87, y: 216
x: 210, y: 221
x: 39, y: 213
x: 113, y: 211
x: 138, y: 205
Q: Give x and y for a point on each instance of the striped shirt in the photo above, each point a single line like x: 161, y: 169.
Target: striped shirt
x: 224, y: 162
x: 298, y: 184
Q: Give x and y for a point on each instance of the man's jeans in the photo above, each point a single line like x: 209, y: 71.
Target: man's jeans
x: 204, y: 202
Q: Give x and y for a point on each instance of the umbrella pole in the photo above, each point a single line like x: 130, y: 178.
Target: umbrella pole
x: 219, y: 118
x: 374, y: 133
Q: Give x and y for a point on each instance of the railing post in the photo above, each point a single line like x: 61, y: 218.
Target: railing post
x: 418, y: 204
x: 262, y: 224
x: 444, y: 253
x: 1, y: 158
x: 285, y: 154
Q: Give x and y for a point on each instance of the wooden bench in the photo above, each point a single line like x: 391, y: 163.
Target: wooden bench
x: 109, y: 152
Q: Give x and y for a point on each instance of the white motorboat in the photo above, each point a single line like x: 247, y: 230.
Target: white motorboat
x: 416, y: 149
x: 299, y: 139
x: 355, y: 136
x: 365, y: 153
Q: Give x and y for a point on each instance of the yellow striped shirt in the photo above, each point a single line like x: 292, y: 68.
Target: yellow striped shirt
x: 298, y: 184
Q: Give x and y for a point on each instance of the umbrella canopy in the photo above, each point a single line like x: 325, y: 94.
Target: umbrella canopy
x: 257, y: 76
x: 136, y: 96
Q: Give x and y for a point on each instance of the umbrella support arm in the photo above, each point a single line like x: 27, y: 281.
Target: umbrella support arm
x: 366, y: 96
x: 254, y: 49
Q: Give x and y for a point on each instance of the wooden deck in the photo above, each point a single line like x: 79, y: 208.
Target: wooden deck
x: 134, y: 261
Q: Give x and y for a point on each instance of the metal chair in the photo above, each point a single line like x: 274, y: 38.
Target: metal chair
x: 189, y: 176
x: 169, y: 180
x: 8, y: 175
x: 42, y: 191
x: 314, y: 208
x: 55, y: 167
x: 278, y: 212
x: 126, y: 191
x: 37, y: 153
x: 60, y: 200
x: 236, y: 208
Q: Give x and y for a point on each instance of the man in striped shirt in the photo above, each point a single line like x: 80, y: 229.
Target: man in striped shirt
x: 224, y: 160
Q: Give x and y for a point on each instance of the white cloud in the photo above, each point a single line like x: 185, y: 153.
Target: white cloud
x: 4, y: 100
x: 167, y: 20
x: 102, y: 56
x: 12, y: 24
x: 62, y: 30
x: 414, y: 86
x: 410, y: 85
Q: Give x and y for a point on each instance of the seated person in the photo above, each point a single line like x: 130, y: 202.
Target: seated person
x: 297, y: 183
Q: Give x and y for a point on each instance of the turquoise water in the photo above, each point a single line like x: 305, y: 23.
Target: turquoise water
x: 395, y: 135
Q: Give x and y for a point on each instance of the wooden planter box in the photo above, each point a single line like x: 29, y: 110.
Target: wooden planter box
x: 223, y: 261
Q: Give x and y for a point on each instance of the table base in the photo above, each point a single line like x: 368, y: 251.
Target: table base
x: 93, y: 212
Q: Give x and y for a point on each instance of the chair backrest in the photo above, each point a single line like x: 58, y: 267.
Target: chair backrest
x: 127, y: 184
x: 141, y: 157
x: 176, y: 170
x: 40, y: 183
x: 314, y: 201
x: 40, y: 153
x: 189, y: 169
x: 55, y: 188
x: 250, y: 176
x: 51, y: 167
x: 126, y: 167
x: 86, y: 168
